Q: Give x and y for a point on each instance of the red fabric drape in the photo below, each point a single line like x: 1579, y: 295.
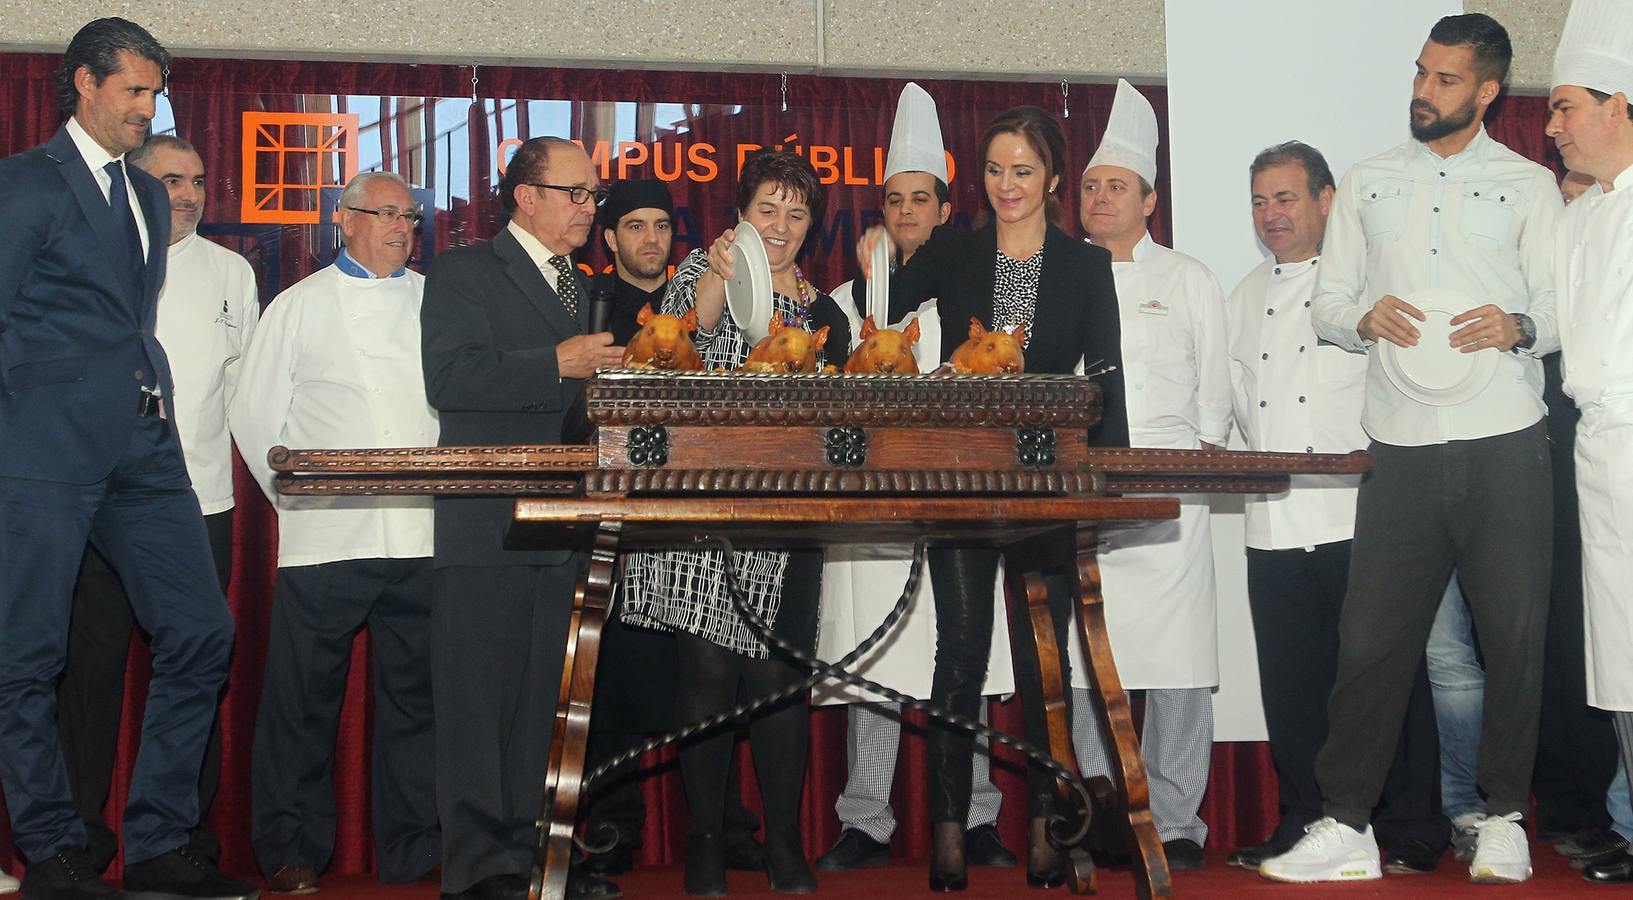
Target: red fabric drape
x: 208, y: 97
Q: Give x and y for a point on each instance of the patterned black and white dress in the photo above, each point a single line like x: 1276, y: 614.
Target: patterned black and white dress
x: 685, y: 590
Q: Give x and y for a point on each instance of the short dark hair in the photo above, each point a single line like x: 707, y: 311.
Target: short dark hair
x: 530, y: 164
x: 1481, y: 34
x: 786, y: 169
x: 1045, y: 136
x: 1295, y: 153
x: 1601, y: 96
x: 140, y: 155
x: 97, y: 47
x: 943, y: 193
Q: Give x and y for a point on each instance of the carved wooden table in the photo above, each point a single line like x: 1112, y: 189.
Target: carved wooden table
x: 800, y: 460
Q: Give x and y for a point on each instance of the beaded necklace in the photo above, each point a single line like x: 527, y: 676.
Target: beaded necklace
x: 802, y: 311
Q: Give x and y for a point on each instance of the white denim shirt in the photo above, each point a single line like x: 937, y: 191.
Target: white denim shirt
x: 1481, y: 222
x: 1294, y: 393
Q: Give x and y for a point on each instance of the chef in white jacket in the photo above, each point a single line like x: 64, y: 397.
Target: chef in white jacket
x: 861, y: 583
x: 1158, y: 581
x: 1593, y: 128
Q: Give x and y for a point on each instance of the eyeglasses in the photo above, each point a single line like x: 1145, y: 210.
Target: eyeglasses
x: 390, y: 214
x: 578, y: 195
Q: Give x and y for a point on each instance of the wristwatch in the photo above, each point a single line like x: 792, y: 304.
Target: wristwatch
x: 1528, y: 332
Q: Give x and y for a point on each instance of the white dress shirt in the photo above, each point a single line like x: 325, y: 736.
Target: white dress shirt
x: 1293, y: 393
x: 538, y: 252
x: 207, y: 313
x: 1481, y: 222
x: 336, y: 363
x: 96, y: 158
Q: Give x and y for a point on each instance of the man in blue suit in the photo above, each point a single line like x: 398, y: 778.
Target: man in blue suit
x: 87, y: 454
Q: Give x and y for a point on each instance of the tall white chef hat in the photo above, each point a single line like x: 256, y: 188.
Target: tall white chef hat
x: 1130, y: 140
x: 1596, y: 48
x: 915, y: 139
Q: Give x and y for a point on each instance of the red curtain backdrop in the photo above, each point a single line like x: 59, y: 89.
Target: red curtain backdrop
x: 208, y: 97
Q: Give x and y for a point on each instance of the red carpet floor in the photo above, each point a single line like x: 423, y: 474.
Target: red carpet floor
x: 1553, y: 878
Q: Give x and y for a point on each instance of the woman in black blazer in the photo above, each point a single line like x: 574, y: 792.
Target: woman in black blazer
x: 1018, y: 269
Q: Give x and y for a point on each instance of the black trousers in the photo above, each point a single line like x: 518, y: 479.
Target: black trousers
x: 713, y: 678
x: 1576, y: 745
x: 963, y: 581
x: 635, y: 698
x: 1482, y: 506
x: 317, y: 611
x: 144, y: 518
x: 1296, y: 598
x: 498, y: 640
x: 91, y: 695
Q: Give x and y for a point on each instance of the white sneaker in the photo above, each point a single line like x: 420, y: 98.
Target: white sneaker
x: 1329, y: 851
x: 1502, y: 855
x: 1465, y: 836
x: 8, y: 884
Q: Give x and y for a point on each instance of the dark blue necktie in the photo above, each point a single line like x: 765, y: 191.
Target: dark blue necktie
x: 119, y: 204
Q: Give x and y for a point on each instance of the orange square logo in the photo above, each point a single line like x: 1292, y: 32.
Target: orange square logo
x: 289, y: 158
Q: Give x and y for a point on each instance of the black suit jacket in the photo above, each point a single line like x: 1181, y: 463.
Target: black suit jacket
x: 1076, y: 316
x: 490, y: 324
x: 76, y: 341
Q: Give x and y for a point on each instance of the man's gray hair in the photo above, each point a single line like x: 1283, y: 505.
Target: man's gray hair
x: 359, y: 185
x: 142, y: 154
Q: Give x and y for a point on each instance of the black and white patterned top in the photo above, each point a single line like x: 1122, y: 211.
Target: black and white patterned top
x: 1015, y: 292
x: 685, y: 590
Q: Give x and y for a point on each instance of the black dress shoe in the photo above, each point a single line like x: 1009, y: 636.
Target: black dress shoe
x: 1411, y: 857
x: 1582, y: 862
x: 1618, y: 870
x: 1593, y: 843
x: 1183, y: 854
x: 183, y: 873
x: 1249, y: 857
x: 68, y: 874
x: 985, y: 850
x: 785, y: 863
x: 854, y: 850
x: 494, y: 887
x: 584, y: 886
x: 705, y: 865
x: 615, y: 860
x: 746, y: 856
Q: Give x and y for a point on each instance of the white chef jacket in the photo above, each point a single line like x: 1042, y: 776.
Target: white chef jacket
x: 1158, y: 580
x: 207, y: 314
x: 336, y: 363
x: 1593, y: 260
x: 1294, y: 393
x: 1481, y: 222
x: 861, y: 583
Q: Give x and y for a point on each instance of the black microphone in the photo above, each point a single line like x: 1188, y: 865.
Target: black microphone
x: 600, y: 308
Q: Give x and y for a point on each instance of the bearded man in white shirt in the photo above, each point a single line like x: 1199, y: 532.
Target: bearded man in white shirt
x: 1461, y: 473
x: 1159, y: 580
x: 1592, y: 124
x: 1295, y: 394
x: 207, y: 312
x: 336, y: 363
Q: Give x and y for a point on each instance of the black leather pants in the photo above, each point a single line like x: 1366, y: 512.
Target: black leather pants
x: 963, y: 581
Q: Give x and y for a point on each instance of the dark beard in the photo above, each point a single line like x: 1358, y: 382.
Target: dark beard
x: 634, y: 267
x: 1442, y: 126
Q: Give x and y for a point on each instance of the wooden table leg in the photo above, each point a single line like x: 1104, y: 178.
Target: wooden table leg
x: 570, y: 736
x: 1151, y: 876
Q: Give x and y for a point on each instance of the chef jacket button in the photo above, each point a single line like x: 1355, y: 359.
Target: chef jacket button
x: 1476, y: 193
x: 377, y: 390
x: 1278, y: 270
x: 1306, y: 304
x: 140, y: 375
x: 1437, y: 209
x: 1433, y: 251
x: 1269, y: 312
x: 1301, y: 399
x: 1309, y: 449
x: 1264, y: 356
x: 1262, y: 404
x: 1443, y: 175
x: 1301, y: 348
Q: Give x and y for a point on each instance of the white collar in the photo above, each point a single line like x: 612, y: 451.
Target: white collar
x: 536, y: 250
x: 96, y: 157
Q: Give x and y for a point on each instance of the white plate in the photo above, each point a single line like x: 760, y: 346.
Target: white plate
x: 1434, y: 372
x: 748, y: 290
x: 878, y: 286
